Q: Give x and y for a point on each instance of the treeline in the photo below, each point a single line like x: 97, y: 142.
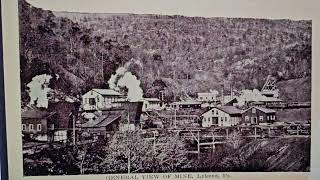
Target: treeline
x: 211, y: 50
x: 81, y: 58
x: 181, y: 55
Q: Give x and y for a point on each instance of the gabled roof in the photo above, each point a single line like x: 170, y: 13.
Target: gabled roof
x: 152, y: 99
x: 207, y: 93
x: 36, y: 114
x: 107, y: 92
x: 102, y: 121
x: 227, y: 109
x: 190, y: 102
x: 263, y: 109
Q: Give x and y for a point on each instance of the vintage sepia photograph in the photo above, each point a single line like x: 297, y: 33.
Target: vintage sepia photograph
x: 127, y: 93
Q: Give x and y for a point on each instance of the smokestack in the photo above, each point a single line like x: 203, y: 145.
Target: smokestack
x: 231, y: 92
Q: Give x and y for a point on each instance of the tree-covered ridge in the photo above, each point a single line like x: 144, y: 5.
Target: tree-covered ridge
x: 60, y: 46
x: 183, y: 55
x: 209, y: 50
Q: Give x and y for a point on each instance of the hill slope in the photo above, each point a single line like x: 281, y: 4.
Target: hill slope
x: 281, y: 154
x: 65, y: 49
x: 182, y: 55
x: 208, y: 52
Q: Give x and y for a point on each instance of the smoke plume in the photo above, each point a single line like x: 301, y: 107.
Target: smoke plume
x: 39, y: 90
x: 124, y: 78
x: 250, y: 95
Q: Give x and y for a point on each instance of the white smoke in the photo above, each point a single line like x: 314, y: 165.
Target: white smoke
x: 250, y: 95
x: 124, y: 78
x: 215, y: 92
x: 39, y: 90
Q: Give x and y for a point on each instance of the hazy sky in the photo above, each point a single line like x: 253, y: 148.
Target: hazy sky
x: 206, y: 8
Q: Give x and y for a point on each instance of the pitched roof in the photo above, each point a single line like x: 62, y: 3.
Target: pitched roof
x: 187, y: 102
x: 208, y: 93
x: 227, y: 109
x: 263, y: 109
x: 107, y: 92
x: 36, y: 114
x: 271, y: 99
x: 102, y: 121
x: 152, y: 99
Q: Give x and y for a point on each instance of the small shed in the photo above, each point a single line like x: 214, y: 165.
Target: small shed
x: 256, y: 115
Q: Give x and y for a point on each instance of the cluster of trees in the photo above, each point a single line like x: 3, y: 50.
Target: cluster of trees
x: 186, y: 54
x: 210, y: 50
x: 129, y: 152
x: 81, y: 57
x: 125, y: 152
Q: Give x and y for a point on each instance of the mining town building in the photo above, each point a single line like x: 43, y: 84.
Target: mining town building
x: 221, y: 116
x: 65, y: 120
x: 150, y: 104
x: 99, y: 99
x: 257, y: 115
x: 38, y: 125
x: 186, y: 105
x: 208, y: 96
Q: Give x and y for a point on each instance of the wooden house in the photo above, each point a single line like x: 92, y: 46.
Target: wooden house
x: 257, y: 115
x: 99, y: 99
x: 208, y: 96
x: 38, y: 125
x: 151, y: 104
x: 67, y: 114
x: 103, y: 125
x: 186, y: 105
x: 221, y: 116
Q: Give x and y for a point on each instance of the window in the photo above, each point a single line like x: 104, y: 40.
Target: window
x: 52, y: 126
x: 246, y: 118
x: 213, y: 112
x: 217, y: 112
x: 261, y: 118
x: 221, y: 119
x: 92, y: 101
x: 23, y: 127
x: 31, y: 127
x: 225, y: 119
x: 98, y: 99
x: 253, y: 110
x: 38, y: 127
x: 268, y: 118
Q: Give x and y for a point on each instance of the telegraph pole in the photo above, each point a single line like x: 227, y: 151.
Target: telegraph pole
x: 74, y: 129
x: 128, y: 146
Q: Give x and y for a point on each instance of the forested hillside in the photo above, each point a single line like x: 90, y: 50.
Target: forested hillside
x: 183, y: 55
x: 68, y: 51
x: 197, y: 54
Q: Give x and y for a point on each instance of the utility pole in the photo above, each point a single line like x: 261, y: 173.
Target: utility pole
x: 175, y: 118
x: 129, y: 159
x: 154, y: 142
x: 74, y: 129
x: 102, y: 67
x: 128, y: 146
x: 198, y: 144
